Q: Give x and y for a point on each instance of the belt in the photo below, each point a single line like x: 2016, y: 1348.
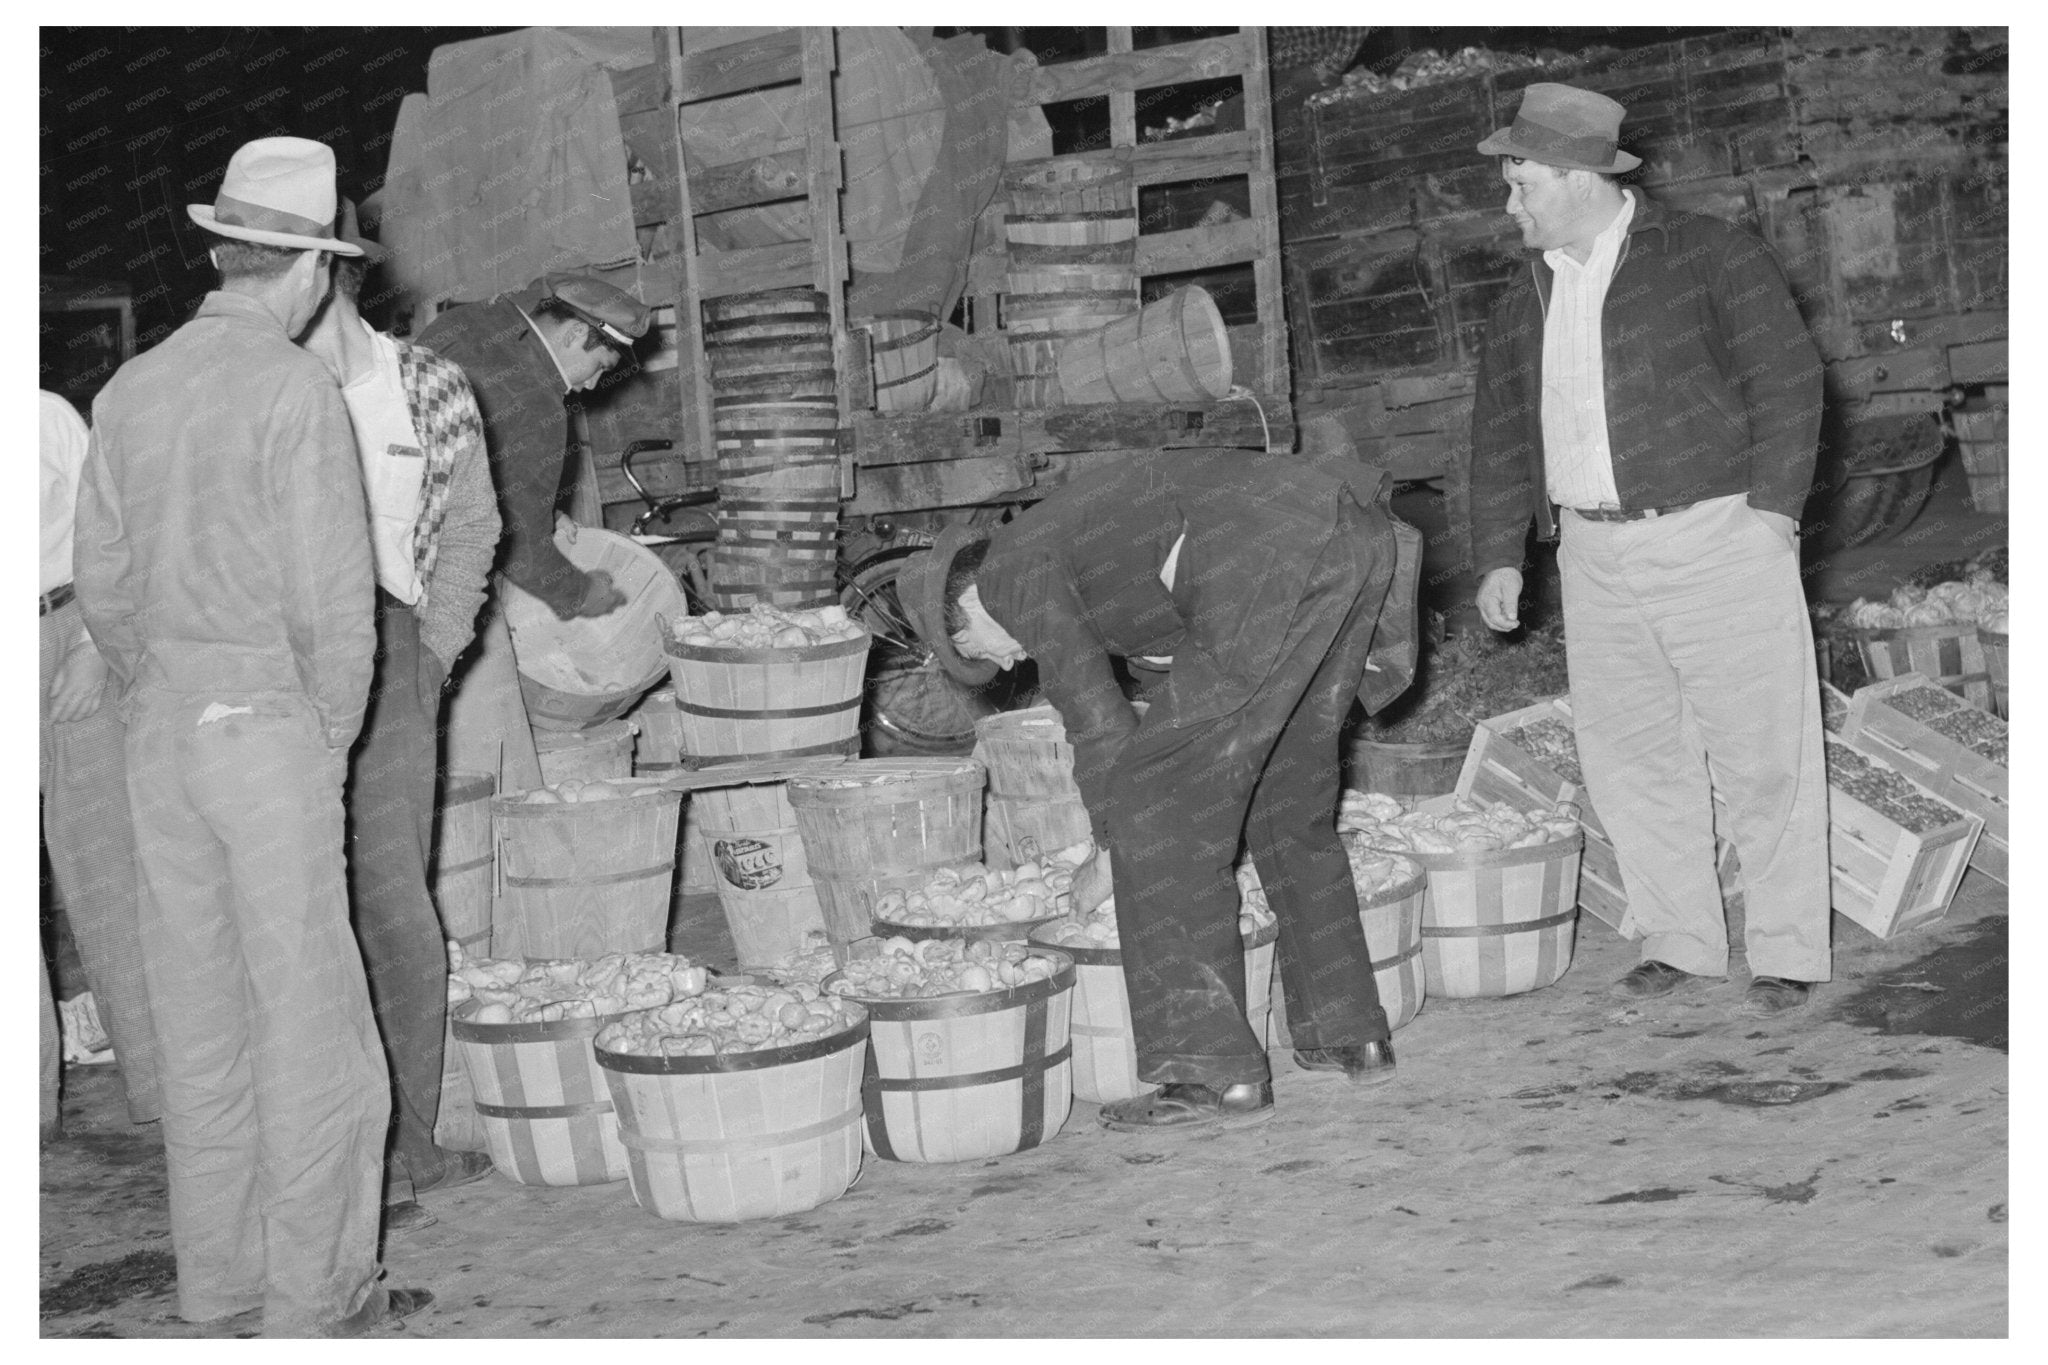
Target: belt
x: 56, y: 598
x: 1641, y: 514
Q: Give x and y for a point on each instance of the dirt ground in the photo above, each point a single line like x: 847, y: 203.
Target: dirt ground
x: 1554, y: 1164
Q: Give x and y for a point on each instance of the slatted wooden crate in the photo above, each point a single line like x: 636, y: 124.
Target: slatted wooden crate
x: 1885, y: 877
x: 1499, y: 769
x: 1947, y: 768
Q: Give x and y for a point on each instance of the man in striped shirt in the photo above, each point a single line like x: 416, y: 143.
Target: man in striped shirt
x: 1651, y: 377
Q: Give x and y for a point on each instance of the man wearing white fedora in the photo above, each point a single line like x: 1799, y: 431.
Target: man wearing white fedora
x: 1650, y: 375
x: 223, y: 567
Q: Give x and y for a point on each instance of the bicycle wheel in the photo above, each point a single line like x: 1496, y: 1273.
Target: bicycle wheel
x: 913, y: 706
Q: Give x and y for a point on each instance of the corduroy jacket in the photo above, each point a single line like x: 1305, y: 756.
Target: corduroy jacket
x: 1713, y: 383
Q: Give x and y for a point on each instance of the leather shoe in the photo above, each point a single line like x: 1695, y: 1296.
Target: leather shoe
x: 409, y: 1216
x: 1362, y: 1064
x: 457, y: 1168
x: 1773, y: 995
x: 383, y: 1307
x: 1649, y: 978
x: 1186, y: 1105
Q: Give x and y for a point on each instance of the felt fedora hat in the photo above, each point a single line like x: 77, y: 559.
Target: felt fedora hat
x: 279, y: 191
x: 1562, y: 125
x: 921, y: 588
x: 348, y: 229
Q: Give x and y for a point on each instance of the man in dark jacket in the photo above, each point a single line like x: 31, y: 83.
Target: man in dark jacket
x: 1262, y: 580
x: 523, y: 354
x: 1651, y: 375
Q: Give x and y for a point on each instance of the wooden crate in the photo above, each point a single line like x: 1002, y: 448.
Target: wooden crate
x: 1498, y: 769
x: 1955, y: 773
x: 1885, y: 877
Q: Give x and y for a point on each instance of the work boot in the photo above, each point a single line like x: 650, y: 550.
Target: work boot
x: 457, y: 1168
x: 1768, y: 996
x: 408, y: 1216
x: 1182, y: 1105
x: 381, y: 1309
x: 1366, y: 1064
x: 1651, y: 978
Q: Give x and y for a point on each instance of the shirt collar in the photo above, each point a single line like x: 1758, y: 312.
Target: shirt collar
x: 542, y: 342
x: 223, y: 303
x: 1605, y: 247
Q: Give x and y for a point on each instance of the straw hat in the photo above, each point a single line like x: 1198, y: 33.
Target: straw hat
x: 279, y: 191
x: 1562, y: 125
x: 921, y: 588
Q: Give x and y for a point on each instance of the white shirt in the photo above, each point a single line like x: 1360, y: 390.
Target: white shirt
x: 1577, y: 461
x: 394, y: 465
x: 64, y: 442
x: 1167, y: 574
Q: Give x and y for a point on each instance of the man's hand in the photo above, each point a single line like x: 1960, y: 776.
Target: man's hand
x: 1786, y: 527
x: 1092, y: 883
x: 599, y: 596
x: 76, y: 687
x: 565, y: 527
x: 1500, y: 599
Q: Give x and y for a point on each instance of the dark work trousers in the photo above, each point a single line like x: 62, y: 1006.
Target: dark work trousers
x: 1269, y: 772
x: 391, y: 820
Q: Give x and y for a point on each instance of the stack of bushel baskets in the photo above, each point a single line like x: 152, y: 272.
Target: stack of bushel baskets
x: 1072, y: 231
x: 775, y: 416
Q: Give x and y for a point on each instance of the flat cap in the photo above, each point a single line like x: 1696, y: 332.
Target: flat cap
x: 622, y: 318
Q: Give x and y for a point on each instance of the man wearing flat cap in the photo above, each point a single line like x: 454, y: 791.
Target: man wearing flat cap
x: 1649, y: 396
x: 524, y: 353
x: 223, y: 568
x: 1272, y: 593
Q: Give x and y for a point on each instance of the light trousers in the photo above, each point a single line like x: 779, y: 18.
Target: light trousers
x: 92, y: 858
x: 275, y: 1094
x: 1692, y: 675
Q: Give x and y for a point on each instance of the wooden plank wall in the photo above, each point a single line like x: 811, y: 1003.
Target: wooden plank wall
x: 1873, y: 158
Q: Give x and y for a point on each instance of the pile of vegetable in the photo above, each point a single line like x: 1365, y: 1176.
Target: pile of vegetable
x: 1374, y: 870
x: 903, y: 970
x: 1466, y: 827
x: 1978, y: 599
x: 741, y: 1017
x: 1468, y: 677
x: 1948, y: 715
x: 764, y: 627
x: 1552, y: 741
x: 1098, y: 930
x: 812, y: 962
x: 1885, y: 791
x: 1426, y: 67
x: 961, y: 897
x: 509, y: 991
x: 574, y: 791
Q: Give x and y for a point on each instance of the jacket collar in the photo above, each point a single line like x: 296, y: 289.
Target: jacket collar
x: 220, y: 303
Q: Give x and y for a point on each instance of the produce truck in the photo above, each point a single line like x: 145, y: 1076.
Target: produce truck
x: 694, y: 165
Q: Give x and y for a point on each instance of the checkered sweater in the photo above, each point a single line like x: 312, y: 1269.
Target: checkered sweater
x: 456, y: 535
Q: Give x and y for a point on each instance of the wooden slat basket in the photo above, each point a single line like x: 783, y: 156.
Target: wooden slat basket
x: 905, y: 356
x: 970, y: 1076
x: 1888, y: 878
x: 885, y: 824
x: 1106, y: 1047
x: 1173, y: 350
x: 585, y: 879
x: 463, y: 859
x: 658, y: 753
x: 1393, y: 936
x: 591, y: 669
x: 1034, y: 807
x: 768, y: 703
x: 731, y: 1137
x: 761, y: 869
x: 601, y: 752
x: 545, y: 1110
